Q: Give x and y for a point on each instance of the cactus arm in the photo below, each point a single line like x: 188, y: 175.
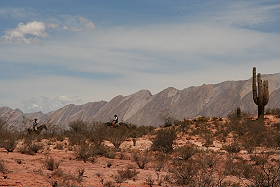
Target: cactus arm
x: 265, y: 92
x: 260, y: 89
x: 254, y: 87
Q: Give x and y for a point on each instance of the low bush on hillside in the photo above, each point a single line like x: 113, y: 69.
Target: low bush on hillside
x: 85, y: 152
x: 118, y: 136
x: 31, y: 148
x: 51, y: 164
x: 164, y: 140
x: 185, y: 152
x: 232, y: 148
x: 125, y: 174
x: 141, y: 159
x: 273, y: 111
x: 201, y: 170
x: 3, y: 168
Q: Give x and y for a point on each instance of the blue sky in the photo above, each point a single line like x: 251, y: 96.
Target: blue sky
x: 69, y: 51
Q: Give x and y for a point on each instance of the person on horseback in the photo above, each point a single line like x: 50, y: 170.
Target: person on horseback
x: 115, y: 121
x: 35, y: 124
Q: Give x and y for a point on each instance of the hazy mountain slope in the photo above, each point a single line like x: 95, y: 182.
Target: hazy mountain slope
x: 75, y: 112
x: 143, y: 108
x: 124, y: 106
x: 274, y: 99
x: 14, y: 118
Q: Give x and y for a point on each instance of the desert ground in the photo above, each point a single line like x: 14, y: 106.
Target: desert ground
x: 214, y: 152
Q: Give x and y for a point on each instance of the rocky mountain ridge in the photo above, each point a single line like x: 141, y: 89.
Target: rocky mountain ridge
x: 143, y: 108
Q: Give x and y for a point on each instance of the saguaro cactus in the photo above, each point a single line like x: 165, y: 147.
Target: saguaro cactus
x: 260, y: 93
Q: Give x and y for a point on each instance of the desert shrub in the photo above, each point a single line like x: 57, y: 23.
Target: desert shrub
x: 201, y: 170
x: 160, y: 160
x: 9, y: 143
x: 273, y: 111
x: 140, y: 131
x: 65, y: 179
x: 98, y: 132
x: 141, y: 159
x: 8, y: 139
x: 31, y: 148
x: 186, y: 152
x: 232, y: 148
x: 76, y: 139
x: 102, y: 150
x: 253, y: 133
x: 149, y: 181
x: 169, y: 121
x: 183, y: 173
x: 118, y: 136
x: 265, y: 173
x: 202, y: 119
x: 164, y: 140
x: 80, y: 174
x: 109, y: 184
x: 234, y: 115
x: 184, y: 125
x: 59, y: 146
x: 208, y: 139
x: 3, y: 168
x: 85, y: 152
x: 125, y: 174
x: 78, y: 127
x: 51, y: 164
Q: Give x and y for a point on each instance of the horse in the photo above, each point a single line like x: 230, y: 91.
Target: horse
x: 38, y: 131
x: 120, y: 124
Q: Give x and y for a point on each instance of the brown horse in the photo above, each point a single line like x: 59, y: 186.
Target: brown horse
x: 38, y: 131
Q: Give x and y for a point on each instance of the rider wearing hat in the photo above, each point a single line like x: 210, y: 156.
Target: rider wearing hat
x: 115, y: 121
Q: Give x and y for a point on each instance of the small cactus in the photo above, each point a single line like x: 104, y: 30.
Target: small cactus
x: 238, y: 112
x: 260, y: 93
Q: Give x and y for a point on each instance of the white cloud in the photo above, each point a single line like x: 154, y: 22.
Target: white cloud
x: 28, y: 32
x: 35, y: 30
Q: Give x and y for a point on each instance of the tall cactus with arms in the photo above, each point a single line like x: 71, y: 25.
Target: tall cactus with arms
x: 260, y: 93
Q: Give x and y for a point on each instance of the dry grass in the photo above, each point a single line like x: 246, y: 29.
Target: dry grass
x: 51, y: 164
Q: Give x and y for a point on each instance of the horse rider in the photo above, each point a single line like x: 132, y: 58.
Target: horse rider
x: 115, y: 121
x: 35, y: 124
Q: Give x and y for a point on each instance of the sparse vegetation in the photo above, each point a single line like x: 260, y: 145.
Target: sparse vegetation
x: 141, y: 159
x: 31, y: 148
x: 164, y: 140
x: 186, y: 152
x: 51, y: 164
x: 186, y: 162
x: 125, y: 174
x: 3, y: 168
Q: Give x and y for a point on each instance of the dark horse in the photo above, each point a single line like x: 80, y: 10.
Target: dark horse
x: 121, y: 124
x: 38, y: 131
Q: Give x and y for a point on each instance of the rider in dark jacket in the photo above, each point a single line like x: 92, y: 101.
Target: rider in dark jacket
x: 115, y: 121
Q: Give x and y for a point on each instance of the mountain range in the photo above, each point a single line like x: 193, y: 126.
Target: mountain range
x: 143, y: 108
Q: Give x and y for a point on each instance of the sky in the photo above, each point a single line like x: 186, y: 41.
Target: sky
x: 56, y: 52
